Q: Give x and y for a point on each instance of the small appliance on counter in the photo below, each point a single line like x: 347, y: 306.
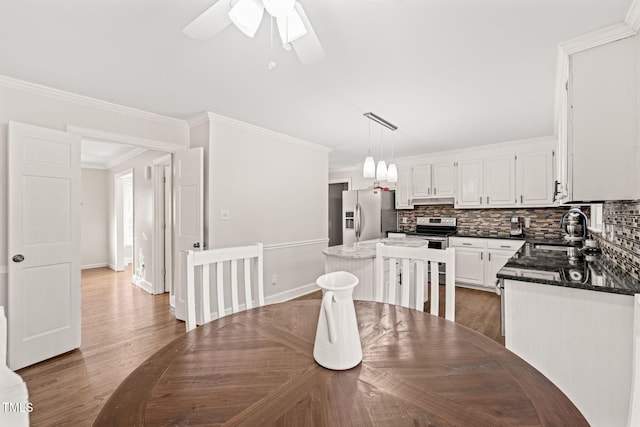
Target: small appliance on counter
x: 574, y: 223
x: 516, y: 227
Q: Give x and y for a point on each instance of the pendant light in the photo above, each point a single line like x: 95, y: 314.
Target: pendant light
x: 381, y: 170
x: 392, y: 170
x: 369, y: 169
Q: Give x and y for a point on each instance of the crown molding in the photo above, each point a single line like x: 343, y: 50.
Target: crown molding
x: 37, y: 89
x: 216, y: 118
x: 597, y: 38
x: 633, y: 16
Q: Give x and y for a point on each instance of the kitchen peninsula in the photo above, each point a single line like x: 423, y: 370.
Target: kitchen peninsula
x: 570, y: 313
x: 359, y: 259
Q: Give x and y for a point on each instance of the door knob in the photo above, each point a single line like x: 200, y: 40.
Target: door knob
x: 196, y: 245
x: 18, y: 258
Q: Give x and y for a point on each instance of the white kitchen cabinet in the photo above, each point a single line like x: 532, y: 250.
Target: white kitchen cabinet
x: 443, y: 179
x: 421, y: 181
x: 478, y: 260
x: 598, y: 157
x: 499, y: 180
x: 403, y: 189
x: 469, y: 183
x: 511, y: 180
x: 433, y: 180
x: 534, y: 178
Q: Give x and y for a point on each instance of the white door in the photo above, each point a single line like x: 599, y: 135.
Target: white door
x: 188, y: 220
x: 44, y: 244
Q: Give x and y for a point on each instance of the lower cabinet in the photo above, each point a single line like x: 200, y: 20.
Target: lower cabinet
x: 478, y: 260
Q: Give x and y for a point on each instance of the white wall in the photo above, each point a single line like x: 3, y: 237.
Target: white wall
x: 143, y: 229
x: 94, y: 218
x: 276, y: 189
x: 41, y: 106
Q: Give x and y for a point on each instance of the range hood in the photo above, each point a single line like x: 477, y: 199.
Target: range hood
x: 433, y: 201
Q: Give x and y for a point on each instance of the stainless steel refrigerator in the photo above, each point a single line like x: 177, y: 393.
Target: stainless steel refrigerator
x: 367, y: 214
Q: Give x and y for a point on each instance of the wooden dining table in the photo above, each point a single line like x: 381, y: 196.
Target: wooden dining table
x: 256, y: 368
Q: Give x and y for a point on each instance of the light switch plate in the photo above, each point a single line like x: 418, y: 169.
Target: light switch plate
x: 225, y: 214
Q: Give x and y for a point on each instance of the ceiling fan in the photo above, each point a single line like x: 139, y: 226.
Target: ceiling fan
x: 293, y: 25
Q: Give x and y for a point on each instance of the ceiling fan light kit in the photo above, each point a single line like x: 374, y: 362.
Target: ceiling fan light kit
x: 294, y: 26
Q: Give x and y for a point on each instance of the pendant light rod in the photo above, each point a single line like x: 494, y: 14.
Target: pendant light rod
x: 380, y: 120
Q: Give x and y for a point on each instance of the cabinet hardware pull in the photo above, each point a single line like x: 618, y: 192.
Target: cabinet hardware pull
x: 489, y: 256
x: 487, y: 199
x: 505, y: 246
x: 481, y: 256
x: 521, y: 201
x: 480, y: 199
x: 467, y: 244
x: 434, y: 191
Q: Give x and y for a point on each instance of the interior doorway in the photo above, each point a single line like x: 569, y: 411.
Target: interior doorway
x: 125, y: 220
x: 335, y: 211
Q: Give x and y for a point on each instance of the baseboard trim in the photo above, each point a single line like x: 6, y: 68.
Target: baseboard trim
x: 97, y: 265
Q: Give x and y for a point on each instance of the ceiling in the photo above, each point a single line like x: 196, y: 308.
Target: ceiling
x: 449, y: 73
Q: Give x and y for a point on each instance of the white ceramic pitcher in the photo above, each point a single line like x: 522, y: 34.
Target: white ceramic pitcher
x: 337, y: 344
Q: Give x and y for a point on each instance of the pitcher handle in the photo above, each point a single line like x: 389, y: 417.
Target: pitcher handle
x: 327, y: 300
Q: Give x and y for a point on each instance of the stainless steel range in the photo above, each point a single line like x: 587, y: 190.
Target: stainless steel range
x: 436, y: 229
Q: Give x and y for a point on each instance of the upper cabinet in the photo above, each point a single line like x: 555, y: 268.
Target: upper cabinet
x: 403, y: 189
x: 470, y: 180
x: 433, y: 180
x: 534, y: 178
x: 511, y: 180
x: 598, y: 156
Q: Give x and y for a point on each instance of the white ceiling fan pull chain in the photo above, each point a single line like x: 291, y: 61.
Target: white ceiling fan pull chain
x: 272, y: 62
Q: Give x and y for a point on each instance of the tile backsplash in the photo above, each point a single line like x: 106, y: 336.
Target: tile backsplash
x: 545, y: 222
x: 620, y: 240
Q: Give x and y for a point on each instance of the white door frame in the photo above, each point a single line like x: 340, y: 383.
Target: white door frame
x: 162, y: 268
x: 119, y: 231
x: 151, y: 144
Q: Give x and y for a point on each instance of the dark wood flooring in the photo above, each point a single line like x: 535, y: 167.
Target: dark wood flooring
x: 123, y: 325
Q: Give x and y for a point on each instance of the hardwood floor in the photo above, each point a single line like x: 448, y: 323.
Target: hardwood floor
x: 123, y: 325
x: 475, y: 309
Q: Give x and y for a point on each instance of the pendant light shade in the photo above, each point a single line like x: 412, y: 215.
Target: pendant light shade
x: 381, y: 171
x: 369, y: 168
x: 247, y: 15
x: 392, y: 173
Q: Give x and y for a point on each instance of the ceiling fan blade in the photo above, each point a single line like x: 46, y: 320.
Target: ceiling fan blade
x: 307, y: 47
x: 210, y: 23
x: 291, y: 27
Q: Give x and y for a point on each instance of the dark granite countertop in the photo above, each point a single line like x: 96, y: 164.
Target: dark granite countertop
x: 558, y: 263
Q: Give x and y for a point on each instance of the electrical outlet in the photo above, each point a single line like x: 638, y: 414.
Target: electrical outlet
x: 274, y: 279
x: 527, y: 222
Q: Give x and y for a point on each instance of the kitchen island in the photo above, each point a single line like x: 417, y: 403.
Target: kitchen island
x: 359, y: 259
x: 571, y: 314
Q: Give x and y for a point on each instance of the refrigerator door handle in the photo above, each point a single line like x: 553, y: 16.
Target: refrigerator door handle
x: 357, y: 221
